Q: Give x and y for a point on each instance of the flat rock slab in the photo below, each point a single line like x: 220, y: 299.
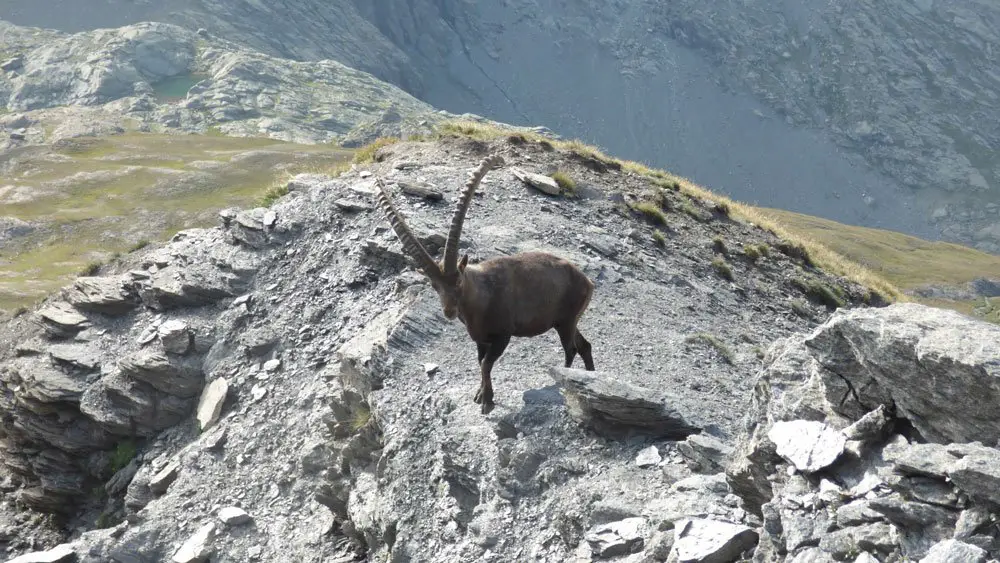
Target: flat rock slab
x: 210, y: 404
x: 540, y: 182
x: 617, y: 538
x: 101, y: 295
x: 62, y: 319
x: 606, y: 403
x: 806, y: 444
x: 421, y: 189
x: 711, y: 541
x: 198, y: 547
x: 60, y: 554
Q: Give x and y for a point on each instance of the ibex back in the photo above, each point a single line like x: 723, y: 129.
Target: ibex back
x: 524, y: 295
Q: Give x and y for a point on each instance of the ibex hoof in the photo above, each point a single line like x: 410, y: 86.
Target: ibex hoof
x: 484, y: 399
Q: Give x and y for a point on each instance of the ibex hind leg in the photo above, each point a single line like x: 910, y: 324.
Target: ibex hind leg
x: 495, y: 349
x: 567, y: 337
x: 583, y: 348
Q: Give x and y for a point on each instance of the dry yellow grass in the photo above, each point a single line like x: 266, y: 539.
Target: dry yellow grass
x: 822, y: 256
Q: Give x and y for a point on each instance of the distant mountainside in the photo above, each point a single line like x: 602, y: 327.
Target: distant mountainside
x: 876, y: 113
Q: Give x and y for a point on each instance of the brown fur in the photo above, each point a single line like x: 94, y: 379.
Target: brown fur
x: 523, y: 295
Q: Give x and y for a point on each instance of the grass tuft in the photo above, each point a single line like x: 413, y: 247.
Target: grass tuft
x: 91, y: 268
x: 273, y: 194
x: 367, y: 153
x: 659, y: 238
x: 566, y: 184
x: 722, y: 268
x: 360, y: 417
x: 650, y: 210
x: 820, y: 255
x: 714, y: 342
x: 123, y: 454
x: 143, y: 243
x: 819, y: 292
x: 719, y: 246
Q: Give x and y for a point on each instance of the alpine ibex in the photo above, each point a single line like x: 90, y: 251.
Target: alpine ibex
x: 523, y: 295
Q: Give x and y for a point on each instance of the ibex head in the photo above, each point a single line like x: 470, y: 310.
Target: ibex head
x: 446, y: 276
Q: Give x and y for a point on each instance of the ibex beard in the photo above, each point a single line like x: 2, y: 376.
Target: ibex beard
x: 524, y: 295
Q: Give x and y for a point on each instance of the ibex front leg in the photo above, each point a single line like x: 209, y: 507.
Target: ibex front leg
x: 489, y: 353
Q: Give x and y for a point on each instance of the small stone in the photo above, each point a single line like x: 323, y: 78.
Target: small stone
x: 270, y: 219
x: 431, y: 369
x: 422, y: 189
x: 351, y: 206
x: 162, y: 480
x: 648, y: 457
x: 272, y: 365
x: 234, y: 516
x: 365, y: 174
x: 808, y: 445
x: 175, y: 336
x: 257, y: 392
x: 540, y: 182
x: 255, y: 552
x: 198, y: 547
x: 210, y: 404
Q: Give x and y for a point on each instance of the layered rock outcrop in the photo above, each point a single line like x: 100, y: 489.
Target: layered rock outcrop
x: 889, y: 415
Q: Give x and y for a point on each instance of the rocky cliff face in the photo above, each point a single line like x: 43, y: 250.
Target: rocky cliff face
x: 887, y: 107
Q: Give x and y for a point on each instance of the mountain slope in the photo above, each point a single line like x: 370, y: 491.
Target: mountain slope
x: 887, y: 107
x: 327, y: 276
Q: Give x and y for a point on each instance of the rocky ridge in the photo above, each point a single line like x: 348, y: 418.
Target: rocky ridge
x: 162, y: 77
x: 293, y: 390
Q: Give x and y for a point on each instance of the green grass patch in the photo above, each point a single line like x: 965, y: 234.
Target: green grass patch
x: 92, y: 197
x: 710, y: 339
x: 122, y: 455
x: 272, y: 194
x: 366, y: 154
x: 722, y: 268
x: 659, y: 238
x: 830, y: 296
x: 566, y: 184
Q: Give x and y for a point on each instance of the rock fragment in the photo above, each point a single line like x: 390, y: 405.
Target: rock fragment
x: 198, y: 547
x: 608, y: 404
x: 701, y: 540
x: 422, y: 189
x: 648, y: 457
x: 233, y: 516
x: 100, y: 295
x: 62, y: 553
x: 617, y: 538
x: 705, y: 453
x: 210, y: 404
x: 160, y: 482
x: 540, y: 182
x: 62, y: 320
x: 175, y: 336
x: 808, y: 445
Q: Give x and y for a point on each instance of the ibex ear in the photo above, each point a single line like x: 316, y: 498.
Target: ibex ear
x: 463, y: 262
